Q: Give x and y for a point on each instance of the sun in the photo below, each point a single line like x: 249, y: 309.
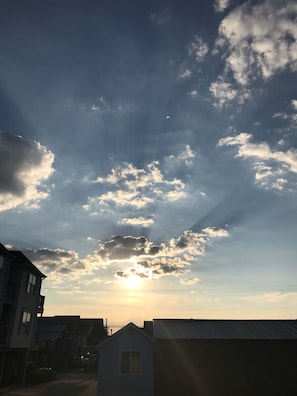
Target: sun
x: 132, y: 281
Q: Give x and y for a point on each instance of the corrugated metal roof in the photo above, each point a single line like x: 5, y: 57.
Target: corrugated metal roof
x: 225, y: 329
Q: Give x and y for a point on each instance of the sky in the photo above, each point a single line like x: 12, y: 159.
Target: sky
x: 148, y: 155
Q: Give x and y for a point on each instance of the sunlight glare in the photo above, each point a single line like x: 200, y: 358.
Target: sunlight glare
x: 132, y: 281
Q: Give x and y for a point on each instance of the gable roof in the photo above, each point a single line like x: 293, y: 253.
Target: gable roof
x: 128, y: 327
x: 21, y: 259
x: 225, y: 329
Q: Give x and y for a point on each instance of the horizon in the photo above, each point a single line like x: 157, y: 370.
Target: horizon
x: 148, y: 156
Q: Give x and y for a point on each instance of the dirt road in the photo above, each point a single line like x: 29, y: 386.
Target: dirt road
x: 78, y: 384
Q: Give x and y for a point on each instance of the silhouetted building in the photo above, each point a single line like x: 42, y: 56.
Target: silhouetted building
x: 225, y: 357
x: 20, y: 302
x: 63, y: 337
x: 200, y: 357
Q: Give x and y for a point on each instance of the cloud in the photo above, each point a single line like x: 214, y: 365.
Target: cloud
x: 184, y: 73
x: 273, y: 169
x: 161, y: 18
x: 259, y: 40
x: 290, y: 115
x: 198, y: 49
x: 294, y: 104
x: 142, y: 221
x: 25, y: 166
x: 221, y: 5
x: 148, y: 260
x: 56, y: 263
x: 189, y: 281
x: 137, y: 187
x: 102, y: 106
x: 128, y: 254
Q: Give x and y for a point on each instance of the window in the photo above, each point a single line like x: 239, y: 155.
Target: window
x: 31, y: 284
x: 1, y: 263
x: 130, y: 362
x: 25, y: 326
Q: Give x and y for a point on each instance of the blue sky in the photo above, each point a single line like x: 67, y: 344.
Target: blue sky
x: 148, y: 155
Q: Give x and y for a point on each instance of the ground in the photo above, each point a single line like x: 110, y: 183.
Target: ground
x: 74, y: 384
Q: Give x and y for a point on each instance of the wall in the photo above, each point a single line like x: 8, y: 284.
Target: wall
x: 28, y: 302
x: 225, y: 367
x: 110, y: 380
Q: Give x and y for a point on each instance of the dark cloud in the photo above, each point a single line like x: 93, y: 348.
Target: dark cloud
x: 119, y: 248
x: 24, y: 166
x: 55, y: 261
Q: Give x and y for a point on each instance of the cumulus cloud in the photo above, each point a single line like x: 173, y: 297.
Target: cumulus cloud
x: 274, y: 169
x: 198, y: 49
x: 137, y: 187
x: 184, y: 73
x: 148, y: 260
x: 56, y: 262
x: 130, y: 255
x: 221, y: 5
x: 259, y: 40
x: 25, y: 166
x: 137, y: 221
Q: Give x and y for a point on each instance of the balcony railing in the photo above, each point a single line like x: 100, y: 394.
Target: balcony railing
x: 40, y: 305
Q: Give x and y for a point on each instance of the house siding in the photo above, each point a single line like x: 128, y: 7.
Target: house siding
x: 111, y: 382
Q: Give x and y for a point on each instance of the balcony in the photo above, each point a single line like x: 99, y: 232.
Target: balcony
x: 40, y: 305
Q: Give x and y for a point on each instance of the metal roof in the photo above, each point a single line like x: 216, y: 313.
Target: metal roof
x: 225, y: 329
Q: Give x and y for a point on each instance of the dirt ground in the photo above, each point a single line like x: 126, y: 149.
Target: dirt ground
x: 75, y: 384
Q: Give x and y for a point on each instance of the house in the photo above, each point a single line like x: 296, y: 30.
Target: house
x: 63, y: 337
x: 125, y: 363
x: 200, y: 357
x: 225, y: 357
x: 20, y: 303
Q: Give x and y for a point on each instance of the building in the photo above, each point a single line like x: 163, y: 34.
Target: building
x: 200, y: 357
x: 125, y: 363
x: 20, y: 303
x: 225, y: 357
x: 61, y: 338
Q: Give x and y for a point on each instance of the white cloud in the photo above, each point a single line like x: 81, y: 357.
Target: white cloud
x: 184, y: 73
x: 187, y: 153
x: 189, y: 281
x: 259, y: 40
x: 137, y: 221
x: 198, y: 49
x: 274, y: 169
x: 137, y: 187
x: 294, y: 104
x: 221, y: 5
x: 25, y: 166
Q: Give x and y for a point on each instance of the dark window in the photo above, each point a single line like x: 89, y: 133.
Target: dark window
x: 31, y: 284
x: 25, y: 325
x: 1, y: 263
x: 130, y: 362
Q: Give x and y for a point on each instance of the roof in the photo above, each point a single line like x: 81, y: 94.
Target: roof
x: 72, y: 324
x: 225, y: 329
x: 124, y: 329
x: 20, y: 257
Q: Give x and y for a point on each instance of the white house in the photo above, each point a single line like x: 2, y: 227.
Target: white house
x: 125, y: 363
